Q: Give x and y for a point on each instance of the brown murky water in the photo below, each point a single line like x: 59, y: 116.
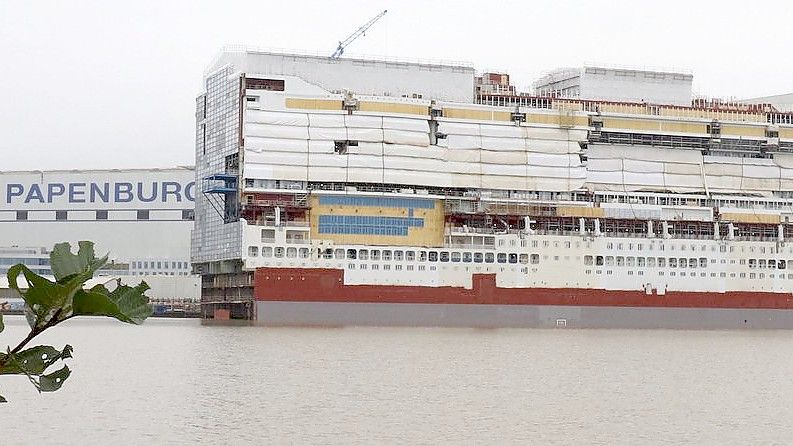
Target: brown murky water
x: 175, y: 382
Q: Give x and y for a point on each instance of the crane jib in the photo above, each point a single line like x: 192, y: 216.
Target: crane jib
x: 360, y: 31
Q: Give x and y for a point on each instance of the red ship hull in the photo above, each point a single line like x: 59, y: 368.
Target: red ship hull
x: 327, y: 285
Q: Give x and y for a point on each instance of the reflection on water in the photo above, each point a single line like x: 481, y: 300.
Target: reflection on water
x: 173, y: 381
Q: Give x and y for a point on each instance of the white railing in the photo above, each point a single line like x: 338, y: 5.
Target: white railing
x: 288, y: 224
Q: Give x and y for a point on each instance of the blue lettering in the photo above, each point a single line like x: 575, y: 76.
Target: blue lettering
x: 76, y: 192
x: 54, y: 190
x: 103, y: 194
x: 188, y: 191
x: 177, y: 188
x: 84, y: 192
x: 126, y: 189
x: 34, y: 194
x: 145, y: 199
x: 14, y: 190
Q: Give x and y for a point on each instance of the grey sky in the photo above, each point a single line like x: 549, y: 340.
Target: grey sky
x: 89, y: 84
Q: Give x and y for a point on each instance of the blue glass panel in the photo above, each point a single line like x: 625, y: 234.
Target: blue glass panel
x: 367, y: 224
x: 421, y: 203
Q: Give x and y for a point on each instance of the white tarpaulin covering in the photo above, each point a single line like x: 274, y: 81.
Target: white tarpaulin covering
x: 732, y: 175
x: 302, y: 146
x: 638, y: 168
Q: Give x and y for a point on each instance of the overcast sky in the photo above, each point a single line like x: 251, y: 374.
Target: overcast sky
x: 112, y: 84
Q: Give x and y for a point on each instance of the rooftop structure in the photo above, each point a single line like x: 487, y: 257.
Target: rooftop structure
x: 494, y: 83
x: 315, y: 74
x: 780, y: 102
x: 617, y: 85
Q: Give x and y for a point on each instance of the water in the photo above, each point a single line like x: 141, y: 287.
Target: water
x: 176, y: 382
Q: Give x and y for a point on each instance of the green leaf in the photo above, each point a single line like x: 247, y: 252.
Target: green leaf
x: 65, y: 264
x: 125, y: 303
x: 42, y: 296
x: 2, y: 399
x: 54, y: 380
x: 30, y: 316
x: 40, y: 291
x: 45, y: 298
x: 67, y: 352
x: 2, y: 326
x: 33, y: 361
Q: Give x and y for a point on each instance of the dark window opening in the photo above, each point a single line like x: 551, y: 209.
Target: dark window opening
x: 143, y: 215
x: 264, y: 84
x: 232, y: 163
x: 22, y: 215
x: 101, y: 215
x: 61, y: 215
x: 188, y: 214
x: 340, y: 147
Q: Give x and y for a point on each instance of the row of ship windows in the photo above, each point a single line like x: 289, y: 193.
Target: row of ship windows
x: 642, y: 246
x: 683, y: 247
x: 386, y: 267
x: 488, y: 257
x: 693, y: 274
x: 376, y: 267
x: 160, y: 273
x: 397, y: 255
x: 158, y: 265
x: 681, y: 262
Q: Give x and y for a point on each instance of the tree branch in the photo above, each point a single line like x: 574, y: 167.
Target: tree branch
x: 35, y: 331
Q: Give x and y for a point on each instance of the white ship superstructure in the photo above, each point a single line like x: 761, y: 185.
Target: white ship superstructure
x: 326, y: 201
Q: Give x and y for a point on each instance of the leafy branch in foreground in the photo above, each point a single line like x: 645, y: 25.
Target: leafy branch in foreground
x: 49, y: 303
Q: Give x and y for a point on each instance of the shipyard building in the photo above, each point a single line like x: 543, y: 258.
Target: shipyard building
x: 350, y: 191
x: 141, y: 217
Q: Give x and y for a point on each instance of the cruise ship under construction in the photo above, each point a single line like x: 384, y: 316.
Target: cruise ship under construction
x: 345, y: 191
